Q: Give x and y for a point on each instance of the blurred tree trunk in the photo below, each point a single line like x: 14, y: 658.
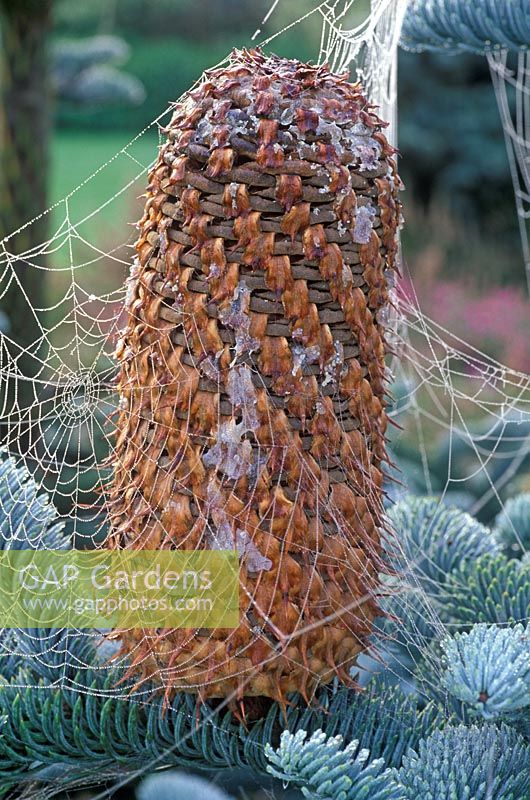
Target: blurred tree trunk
x: 24, y: 138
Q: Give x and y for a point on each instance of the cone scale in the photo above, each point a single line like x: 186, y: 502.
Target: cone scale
x: 252, y: 373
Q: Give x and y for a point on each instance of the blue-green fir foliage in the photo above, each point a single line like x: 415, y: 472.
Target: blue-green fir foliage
x: 468, y: 763
x: 78, y: 725
x: 399, y: 639
x: 323, y: 767
x: 512, y: 525
x: 430, y: 540
x: 27, y: 518
x: 489, y: 669
x: 29, y: 521
x: 461, y: 25
x: 492, y: 589
x: 382, y: 718
x: 111, y: 729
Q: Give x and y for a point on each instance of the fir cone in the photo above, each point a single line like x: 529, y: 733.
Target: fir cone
x: 252, y: 372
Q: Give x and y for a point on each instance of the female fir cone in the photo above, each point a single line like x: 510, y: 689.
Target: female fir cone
x: 252, y: 373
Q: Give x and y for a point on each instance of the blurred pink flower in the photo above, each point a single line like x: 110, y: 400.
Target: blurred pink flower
x: 497, y: 321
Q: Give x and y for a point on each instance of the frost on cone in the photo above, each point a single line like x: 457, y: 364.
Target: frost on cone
x: 252, y: 382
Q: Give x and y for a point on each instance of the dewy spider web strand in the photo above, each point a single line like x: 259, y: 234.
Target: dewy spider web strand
x: 516, y: 82
x: 81, y: 368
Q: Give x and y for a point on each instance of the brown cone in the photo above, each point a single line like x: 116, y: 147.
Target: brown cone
x: 252, y: 372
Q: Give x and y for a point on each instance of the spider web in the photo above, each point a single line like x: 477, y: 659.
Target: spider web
x: 63, y: 436
x: 511, y: 83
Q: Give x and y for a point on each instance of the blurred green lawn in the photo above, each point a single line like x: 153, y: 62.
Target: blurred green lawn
x: 102, y: 209
x: 77, y: 154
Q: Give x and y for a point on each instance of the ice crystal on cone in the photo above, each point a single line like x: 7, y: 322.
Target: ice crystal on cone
x: 231, y: 454
x: 243, y: 396
x: 236, y: 316
x: 255, y: 561
x: 364, y: 223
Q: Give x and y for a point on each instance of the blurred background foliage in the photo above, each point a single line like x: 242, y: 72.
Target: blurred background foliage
x: 453, y: 157
x: 450, y: 135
